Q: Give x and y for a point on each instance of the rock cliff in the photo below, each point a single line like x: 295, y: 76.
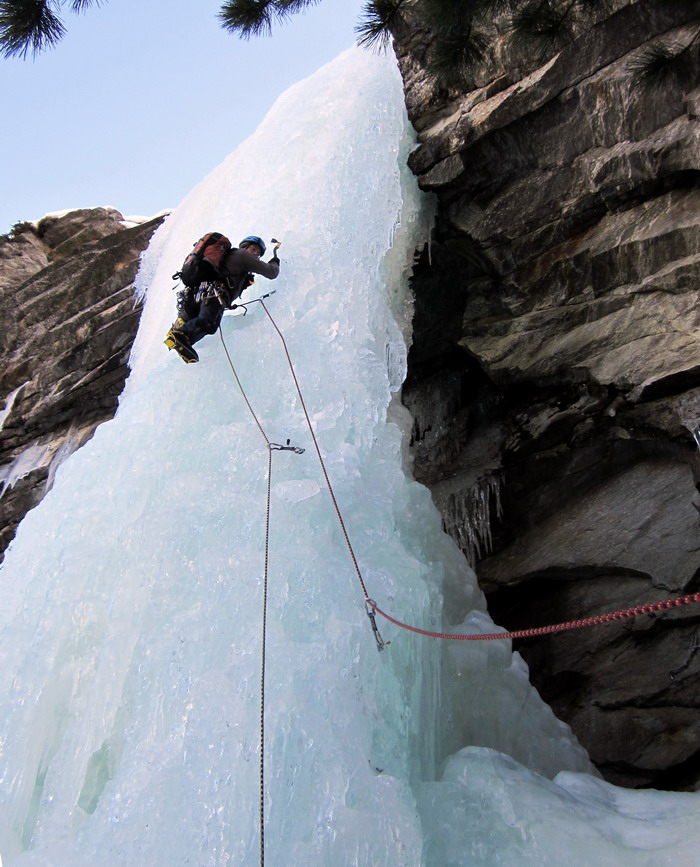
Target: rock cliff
x: 69, y: 318
x: 554, y: 378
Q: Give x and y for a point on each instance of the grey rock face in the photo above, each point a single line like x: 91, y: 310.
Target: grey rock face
x: 69, y: 318
x: 21, y: 257
x: 554, y: 378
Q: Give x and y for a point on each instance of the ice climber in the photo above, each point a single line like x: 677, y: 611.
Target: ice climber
x: 200, y: 308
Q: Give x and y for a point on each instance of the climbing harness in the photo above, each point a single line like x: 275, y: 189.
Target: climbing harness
x: 209, y: 291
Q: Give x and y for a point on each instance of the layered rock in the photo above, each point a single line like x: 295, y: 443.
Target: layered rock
x: 554, y: 378
x: 69, y: 319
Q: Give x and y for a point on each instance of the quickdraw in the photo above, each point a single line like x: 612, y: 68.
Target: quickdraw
x: 287, y: 448
x: 252, y: 301
x: 370, y: 606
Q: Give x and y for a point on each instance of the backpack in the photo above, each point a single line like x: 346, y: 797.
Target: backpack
x: 204, y: 262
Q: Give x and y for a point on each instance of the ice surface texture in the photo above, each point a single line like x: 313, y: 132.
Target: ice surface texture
x: 131, y: 595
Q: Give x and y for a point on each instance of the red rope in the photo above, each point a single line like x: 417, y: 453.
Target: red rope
x: 649, y: 608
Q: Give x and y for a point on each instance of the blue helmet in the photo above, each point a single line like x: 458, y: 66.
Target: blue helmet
x: 253, y: 239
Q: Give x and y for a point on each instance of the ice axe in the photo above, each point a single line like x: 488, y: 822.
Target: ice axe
x: 277, y: 244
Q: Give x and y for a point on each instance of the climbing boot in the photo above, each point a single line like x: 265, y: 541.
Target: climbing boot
x: 180, y: 342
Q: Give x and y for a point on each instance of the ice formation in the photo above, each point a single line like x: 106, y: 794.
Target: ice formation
x: 130, y: 646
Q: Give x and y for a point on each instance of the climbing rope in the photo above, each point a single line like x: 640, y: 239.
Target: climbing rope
x: 318, y: 451
x: 262, y: 663
x: 372, y: 608
x: 378, y: 638
x: 263, y: 651
x: 240, y: 386
x: 649, y: 608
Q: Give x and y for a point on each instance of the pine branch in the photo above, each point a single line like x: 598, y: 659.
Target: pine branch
x: 663, y: 62
x: 381, y: 19
x: 289, y: 7
x: 82, y: 5
x: 442, y: 16
x: 487, y: 10
x: 544, y: 24
x: 454, y: 55
x: 595, y: 5
x: 248, y: 18
x: 284, y: 9
x: 28, y: 25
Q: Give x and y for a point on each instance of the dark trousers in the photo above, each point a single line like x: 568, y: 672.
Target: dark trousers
x: 201, y: 317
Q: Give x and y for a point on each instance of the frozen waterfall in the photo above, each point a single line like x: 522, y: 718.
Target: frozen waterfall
x: 130, y: 651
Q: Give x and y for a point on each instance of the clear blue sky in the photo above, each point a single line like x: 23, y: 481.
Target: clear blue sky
x: 143, y: 98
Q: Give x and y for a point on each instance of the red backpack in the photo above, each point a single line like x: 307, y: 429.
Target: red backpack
x: 203, y: 265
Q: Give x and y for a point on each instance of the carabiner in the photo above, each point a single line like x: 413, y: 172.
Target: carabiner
x: 280, y: 448
x: 370, y: 606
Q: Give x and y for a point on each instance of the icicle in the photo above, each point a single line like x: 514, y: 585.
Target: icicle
x: 32, y: 458
x: 469, y: 515
x: 9, y: 403
x: 71, y: 442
